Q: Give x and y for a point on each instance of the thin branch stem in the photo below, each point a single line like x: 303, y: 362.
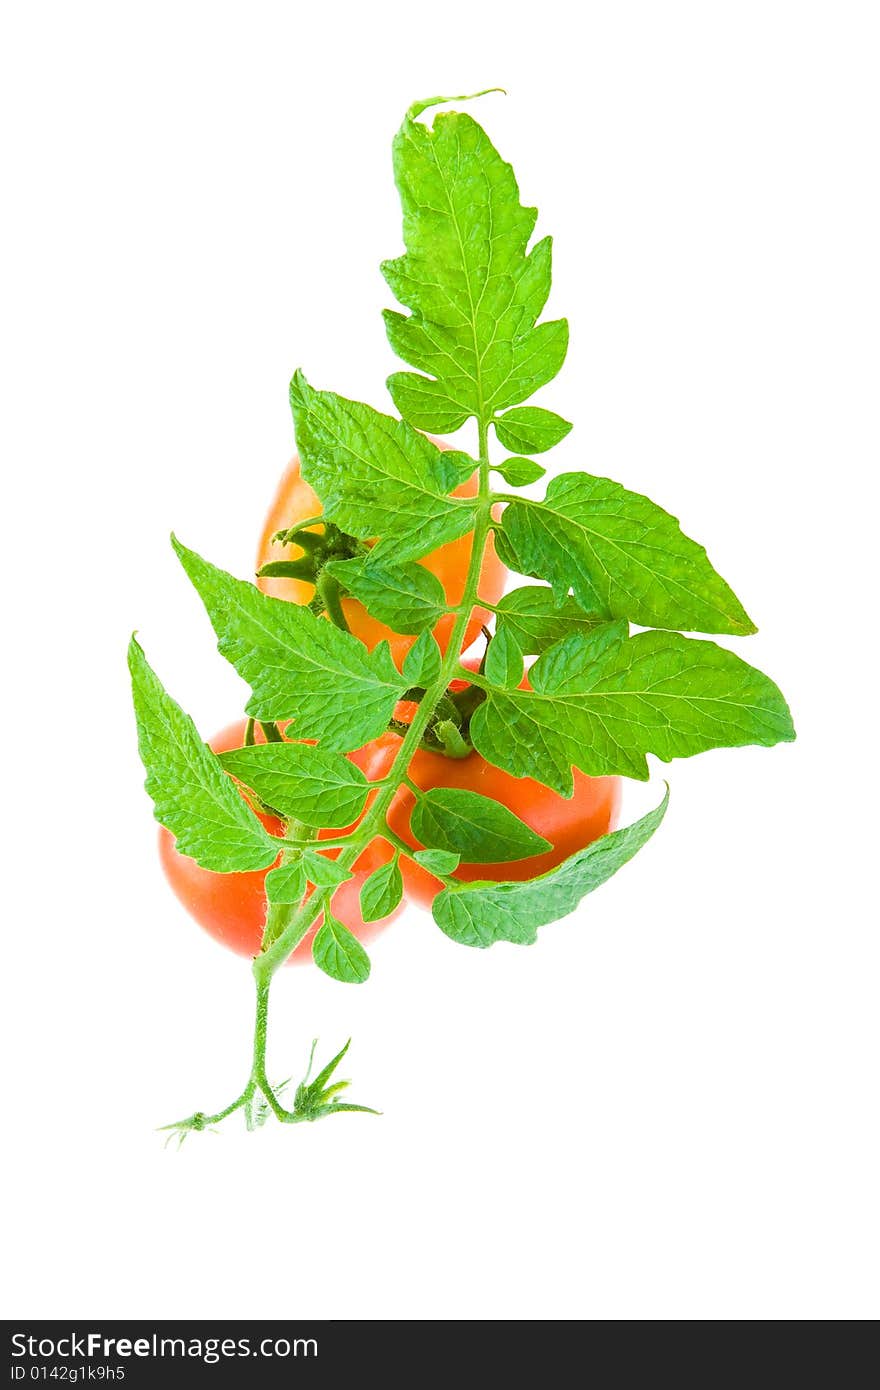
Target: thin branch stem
x: 287, y: 536
x: 287, y: 924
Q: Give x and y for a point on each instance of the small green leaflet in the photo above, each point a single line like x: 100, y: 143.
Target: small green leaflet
x: 504, y: 660
x: 377, y: 476
x: 519, y: 472
x: 382, y: 891
x: 601, y: 703
x: 191, y: 794
x: 407, y: 597
x: 437, y: 861
x: 287, y: 883
x: 479, y: 829
x: 422, y: 401
x: 421, y: 665
x: 339, y: 954
x: 323, y: 872
x: 535, y: 619
x: 298, y: 666
x: 302, y: 782
x: 474, y: 290
x: 530, y: 430
x: 607, y: 544
x: 480, y: 914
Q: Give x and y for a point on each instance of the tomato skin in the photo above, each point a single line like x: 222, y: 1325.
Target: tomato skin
x: 568, y: 823
x: 295, y: 501
x: 232, y: 907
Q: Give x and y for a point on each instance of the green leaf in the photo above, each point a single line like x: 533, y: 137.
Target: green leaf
x: 504, y: 660
x: 478, y: 828
x: 421, y: 401
x: 299, y: 667
x: 377, y: 476
x: 304, y: 783
x: 437, y: 861
x: 474, y: 290
x: 339, y: 954
x: 323, y: 872
x: 421, y: 665
x: 479, y: 914
x: 601, y: 703
x: 533, y: 616
x: 407, y: 598
x: 519, y: 472
x: 191, y: 794
x: 287, y: 883
x: 618, y: 547
x: 530, y: 430
x: 382, y: 891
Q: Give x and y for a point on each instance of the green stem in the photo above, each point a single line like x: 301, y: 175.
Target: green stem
x: 200, y: 1120
x: 284, y: 842
x: 475, y: 678
x: 261, y: 1028
x: 268, y: 961
x: 287, y: 925
x: 287, y: 536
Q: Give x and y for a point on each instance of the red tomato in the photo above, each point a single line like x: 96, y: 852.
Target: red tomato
x: 295, y: 501
x: 569, y: 824
x: 232, y: 907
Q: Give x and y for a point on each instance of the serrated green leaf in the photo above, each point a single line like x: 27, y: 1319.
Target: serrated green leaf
x: 323, y: 872
x: 606, y: 543
x: 474, y: 292
x: 192, y: 796
x: 382, y: 891
x: 304, y: 783
x: 479, y: 914
x: 530, y: 430
x: 421, y: 665
x: 423, y: 402
x: 407, y: 598
x: 377, y: 476
x: 477, y: 828
x: 299, y: 667
x: 504, y: 660
x: 287, y: 883
x: 601, y: 703
x: 339, y: 954
x: 437, y: 861
x: 533, y: 616
x: 519, y: 472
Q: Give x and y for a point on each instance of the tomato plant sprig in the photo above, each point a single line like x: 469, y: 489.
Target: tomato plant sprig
x: 597, y: 699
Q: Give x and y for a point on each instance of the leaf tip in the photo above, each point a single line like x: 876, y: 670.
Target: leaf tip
x: 298, y: 387
x: 178, y: 547
x: 135, y: 652
x: 417, y: 107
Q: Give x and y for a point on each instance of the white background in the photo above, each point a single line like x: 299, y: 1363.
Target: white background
x: 666, y: 1109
